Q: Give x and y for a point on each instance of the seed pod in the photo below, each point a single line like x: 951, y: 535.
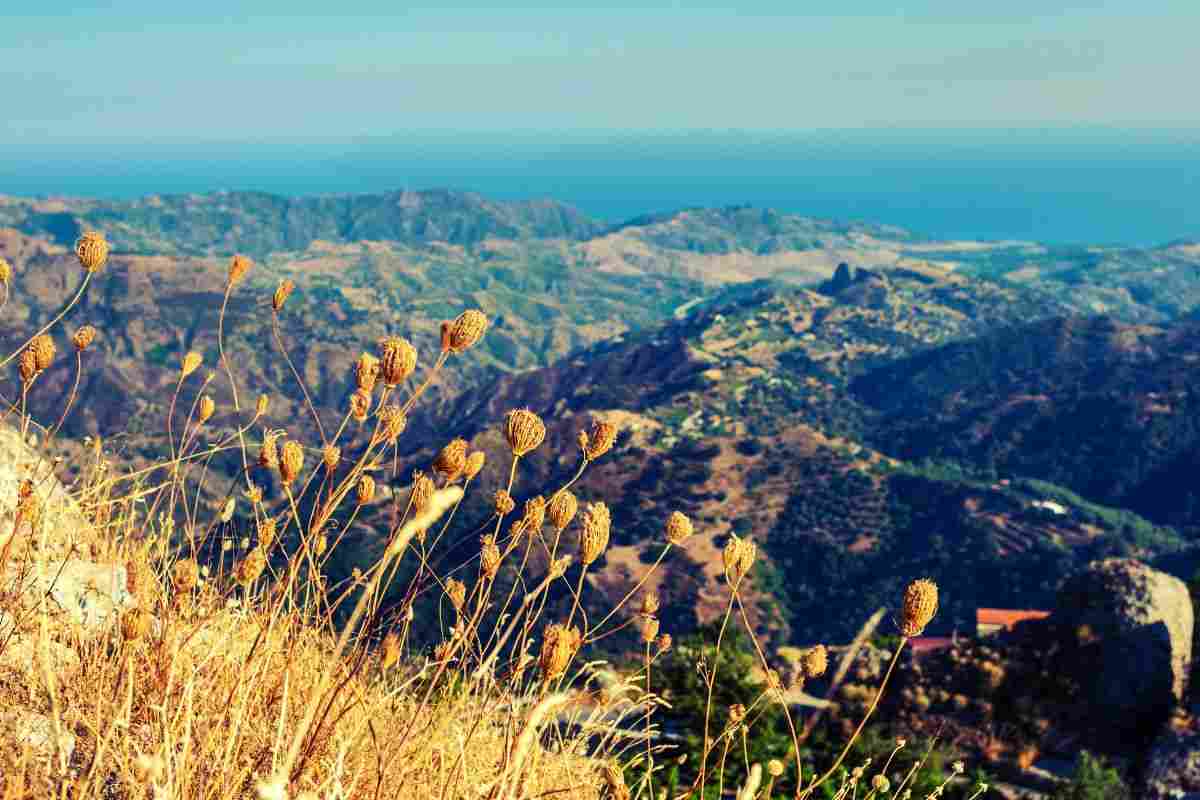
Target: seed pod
x: 452, y: 459
x: 679, y: 528
x: 503, y: 502
x: 422, y: 491
x: 27, y: 365
x: 238, y: 267
x: 524, y: 431
x: 266, y: 533
x: 489, y: 556
x: 291, y: 461
x: 392, y: 423
x: 649, y: 606
x: 185, y: 575
x: 474, y: 464
x: 920, y: 605
x: 366, y: 372
x: 43, y: 351
x: 456, y: 590
x: 600, y: 440
x: 559, y: 567
x: 92, y: 251
x: 737, y: 713
x: 815, y: 661
x: 649, y: 629
x: 593, y: 540
x: 557, y: 651
x: 268, y: 453
x: 191, y: 363
x: 206, y: 409
x: 250, y: 567
x: 366, y: 490
x: 282, y: 292
x: 135, y: 624
x: 563, y: 506
x: 83, y: 338
x: 260, y: 407
x: 465, y: 331
x: 389, y: 652
x: 360, y: 405
x: 535, y: 515
x: 397, y: 359
x: 737, y: 559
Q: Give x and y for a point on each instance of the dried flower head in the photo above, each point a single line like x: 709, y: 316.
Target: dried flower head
x: 260, y: 406
x: 92, y: 251
x: 43, y: 350
x: 738, y: 556
x: 135, y: 624
x: 649, y: 629
x: 503, y: 502
x: 5, y: 271
x: 331, y: 456
x: 535, y: 515
x: 920, y: 604
x: 360, y: 404
x: 83, y: 338
x: 389, y: 652
x: 593, y: 540
x: 366, y: 372
x: 392, y: 423
x: 321, y: 545
x: 191, y: 362
x: 27, y: 365
x: 206, y: 409
x: 774, y: 767
x: 185, y: 575
x: 291, y: 461
x: 489, y: 556
x: 562, y: 508
x: 239, y: 265
x: 365, y: 490
x: 524, y: 431
x: 397, y: 358
x: 559, y: 567
x: 465, y: 331
x: 450, y: 462
x: 282, y: 292
x: 474, y: 464
x: 678, y: 528
x: 456, y: 590
x: 815, y: 661
x: 266, y: 533
x: 249, y: 568
x: 268, y: 452
x: 422, y: 491
x: 600, y: 440
x: 650, y: 604
x: 559, y: 644
x: 614, y: 779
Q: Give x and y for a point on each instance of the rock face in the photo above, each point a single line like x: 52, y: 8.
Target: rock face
x: 1139, y: 622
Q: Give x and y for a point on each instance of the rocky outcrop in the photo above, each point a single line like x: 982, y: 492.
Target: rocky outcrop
x: 1135, y: 627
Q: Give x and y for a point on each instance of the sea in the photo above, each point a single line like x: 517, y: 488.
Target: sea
x: 1065, y: 186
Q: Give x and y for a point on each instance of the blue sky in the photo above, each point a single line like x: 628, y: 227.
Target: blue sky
x: 128, y: 71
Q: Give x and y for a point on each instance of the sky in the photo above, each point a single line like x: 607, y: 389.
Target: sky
x: 87, y: 73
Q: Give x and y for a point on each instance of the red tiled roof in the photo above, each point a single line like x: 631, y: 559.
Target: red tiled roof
x: 1006, y: 617
x: 925, y: 644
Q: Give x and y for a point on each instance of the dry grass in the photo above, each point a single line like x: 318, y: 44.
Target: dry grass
x: 236, y: 670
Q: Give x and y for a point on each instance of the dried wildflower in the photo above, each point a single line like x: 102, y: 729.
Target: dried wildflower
x: 5, y: 272
x: 774, y: 767
x: 365, y: 490
x: 254, y: 493
x: 250, y: 567
x: 465, y: 331
x: 593, y: 540
x: 535, y: 514
x: 92, y: 251
x: 737, y: 713
x: 599, y: 441
x: 524, y: 431
x: 679, y: 528
x: 559, y: 644
x: 366, y: 372
x: 389, y: 652
x: 815, y: 661
x: 27, y: 365
x: 282, y: 292
x: 291, y: 461
x: 562, y: 508
x: 321, y: 545
x: 920, y: 604
x: 452, y: 459
x: 392, y: 423
x: 474, y: 464
x: 559, y: 567
x: 422, y: 491
x: 191, y: 363
x: 331, y: 456
x: 135, y: 624
x: 185, y: 575
x: 503, y: 502
x: 614, y: 779
x: 360, y: 404
x: 43, y: 351
x: 238, y: 267
x: 397, y: 360
x: 83, y: 338
x: 664, y: 642
x: 260, y: 407
x: 738, y: 556
x: 649, y: 629
x: 456, y: 590
x: 489, y: 556
x: 649, y: 605
x: 206, y: 409
x: 268, y: 451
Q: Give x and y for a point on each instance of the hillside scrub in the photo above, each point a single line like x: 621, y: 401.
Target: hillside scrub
x: 209, y: 655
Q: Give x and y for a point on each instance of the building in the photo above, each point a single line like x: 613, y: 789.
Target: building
x: 993, y: 620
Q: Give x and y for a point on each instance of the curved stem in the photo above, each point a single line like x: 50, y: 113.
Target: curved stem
x: 634, y: 590
x: 87, y: 277
x: 295, y: 374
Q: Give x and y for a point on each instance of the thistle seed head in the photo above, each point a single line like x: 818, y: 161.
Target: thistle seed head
x: 593, y: 540
x: 474, y: 464
x: 649, y: 629
x: 535, y: 515
x: 456, y: 590
x: 465, y: 331
x: 738, y: 556
x: 422, y: 492
x: 563, y: 506
x: 452, y: 459
x: 291, y: 461
x: 600, y: 440
x: 268, y: 453
x: 678, y: 528
x: 398, y: 359
x: 92, y: 251
x: 392, y: 423
x: 559, y: 644
x: 920, y: 604
x: 365, y: 491
x: 331, y: 456
x: 250, y: 567
x: 489, y: 556
x: 650, y: 604
x: 239, y: 265
x: 191, y: 363
x: 815, y: 661
x: 135, y: 624
x: 360, y: 404
x: 206, y: 409
x: 27, y: 365
x: 83, y: 338
x: 185, y: 575
x: 266, y: 533
x: 524, y: 431
x: 282, y: 292
x: 503, y: 502
x: 366, y: 372
x: 43, y: 351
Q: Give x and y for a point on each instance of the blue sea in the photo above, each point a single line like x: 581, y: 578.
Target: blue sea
x: 1060, y: 186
